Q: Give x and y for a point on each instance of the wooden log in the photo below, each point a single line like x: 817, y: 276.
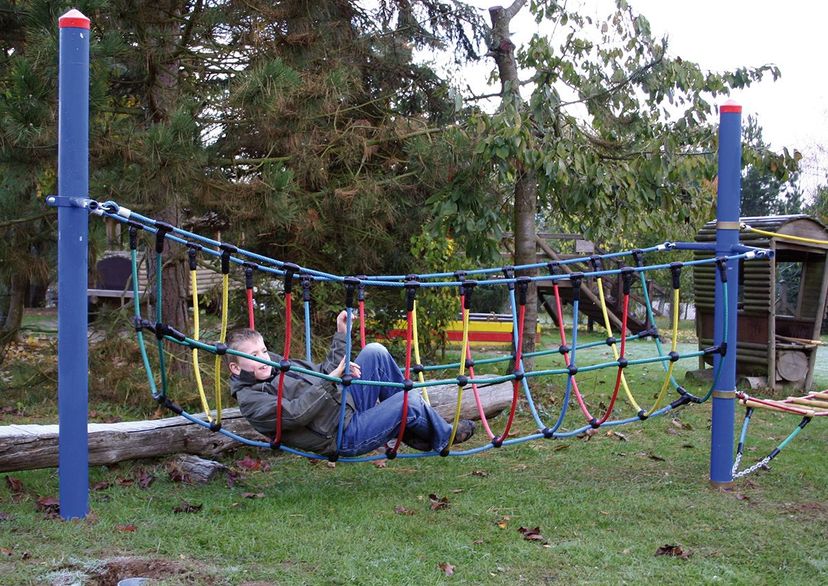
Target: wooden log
x: 28, y: 447
x: 194, y: 469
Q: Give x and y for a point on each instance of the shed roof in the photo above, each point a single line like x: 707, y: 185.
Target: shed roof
x: 800, y: 225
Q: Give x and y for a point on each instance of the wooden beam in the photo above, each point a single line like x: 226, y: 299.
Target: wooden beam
x: 586, y: 290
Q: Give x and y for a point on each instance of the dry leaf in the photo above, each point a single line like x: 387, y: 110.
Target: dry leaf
x: 6, y: 551
x: 249, y: 463
x: 401, y: 510
x: 129, y: 528
x: 5, y: 516
x: 673, y: 551
x: 559, y: 447
x: 144, y: 478
x: 380, y: 463
x: 446, y: 568
x: 186, y: 507
x: 533, y: 534
x: 678, y: 423
x: 49, y: 505
x: 253, y: 495
x: 103, y: 484
x: 456, y: 490
x: 15, y: 486
x: 617, y: 435
x: 481, y: 473
x: 438, y: 503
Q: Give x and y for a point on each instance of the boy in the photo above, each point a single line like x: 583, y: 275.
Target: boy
x: 311, y: 405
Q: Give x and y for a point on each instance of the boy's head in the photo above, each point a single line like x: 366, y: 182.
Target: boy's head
x: 250, y: 342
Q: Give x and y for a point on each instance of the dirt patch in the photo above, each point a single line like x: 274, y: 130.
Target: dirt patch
x: 110, y: 571
x: 815, y: 510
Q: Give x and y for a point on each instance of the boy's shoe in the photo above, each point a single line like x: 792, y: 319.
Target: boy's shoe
x: 465, y: 429
x: 417, y: 443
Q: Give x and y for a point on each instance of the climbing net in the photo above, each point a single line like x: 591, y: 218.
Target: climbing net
x: 554, y: 273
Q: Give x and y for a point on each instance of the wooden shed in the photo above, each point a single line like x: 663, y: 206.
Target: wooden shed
x: 781, y: 300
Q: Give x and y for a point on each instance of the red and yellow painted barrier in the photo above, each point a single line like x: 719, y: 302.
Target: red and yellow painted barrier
x: 484, y: 330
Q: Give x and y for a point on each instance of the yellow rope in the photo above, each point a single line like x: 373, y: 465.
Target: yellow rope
x: 615, y: 353
x: 205, y: 405
x: 225, y: 294
x: 463, y: 350
x: 416, y: 341
x: 783, y: 236
x: 673, y: 347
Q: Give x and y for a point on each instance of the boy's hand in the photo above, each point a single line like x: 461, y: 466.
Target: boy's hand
x: 342, y: 322
x: 356, y: 372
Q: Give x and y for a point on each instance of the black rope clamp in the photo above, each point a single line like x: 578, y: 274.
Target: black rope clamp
x: 469, y: 286
x: 162, y: 329
x: 462, y: 380
x: 162, y: 230
x: 674, y: 356
x: 306, y: 288
x: 417, y: 369
x: 627, y: 278
x: 361, y: 287
x: 638, y: 257
x: 721, y: 264
x: 249, y: 267
x: 347, y: 379
x: 461, y: 276
x: 192, y: 255
x: 596, y: 262
x: 576, y: 279
x: 523, y: 287
x: 284, y: 365
x: 408, y: 384
x: 469, y: 362
x: 133, y: 235
x: 220, y: 348
x: 226, y: 251
x: 411, y: 286
x: 174, y: 407
x: 675, y: 271
x: 553, y: 267
x: 509, y: 273
x: 351, y: 284
x: 290, y: 270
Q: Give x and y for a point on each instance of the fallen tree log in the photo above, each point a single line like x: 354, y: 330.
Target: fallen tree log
x: 28, y: 447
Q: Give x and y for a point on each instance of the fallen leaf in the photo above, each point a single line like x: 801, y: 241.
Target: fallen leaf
x: 330, y: 464
x: 477, y: 542
x: 253, y: 495
x: 652, y: 456
x: 253, y: 464
x: 15, y: 485
x: 5, y: 516
x: 380, y: 463
x: 438, y: 503
x: 481, y: 473
x: 678, y: 423
x: 25, y: 555
x: 186, y: 507
x: 232, y: 477
x: 49, y: 505
x: 559, y: 447
x: 103, y: 484
x: 176, y: 474
x: 144, y: 478
x: 401, y: 510
x: 673, y: 551
x: 533, y: 534
x: 446, y: 568
x: 6, y: 551
x: 121, y: 481
x: 617, y: 435
x: 456, y: 490
x: 741, y: 497
x: 129, y: 528
x: 587, y: 435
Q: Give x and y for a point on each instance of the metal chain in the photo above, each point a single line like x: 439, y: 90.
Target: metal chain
x: 763, y: 463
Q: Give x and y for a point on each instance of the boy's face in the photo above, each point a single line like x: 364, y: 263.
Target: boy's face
x: 255, y: 347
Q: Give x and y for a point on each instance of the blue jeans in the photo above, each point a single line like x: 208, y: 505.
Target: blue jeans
x: 379, y: 409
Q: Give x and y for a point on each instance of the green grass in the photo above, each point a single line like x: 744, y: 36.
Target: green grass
x: 604, y: 505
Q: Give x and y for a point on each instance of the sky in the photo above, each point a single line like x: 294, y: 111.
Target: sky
x: 725, y: 34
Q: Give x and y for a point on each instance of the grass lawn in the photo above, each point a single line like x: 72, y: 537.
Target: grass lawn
x: 629, y: 506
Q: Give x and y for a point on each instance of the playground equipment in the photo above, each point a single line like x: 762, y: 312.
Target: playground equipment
x: 782, y: 298
x: 74, y: 207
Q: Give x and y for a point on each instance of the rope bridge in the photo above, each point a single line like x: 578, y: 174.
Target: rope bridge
x: 465, y: 282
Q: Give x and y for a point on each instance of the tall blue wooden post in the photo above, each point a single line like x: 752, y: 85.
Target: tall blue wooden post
x: 73, y: 190
x: 727, y: 236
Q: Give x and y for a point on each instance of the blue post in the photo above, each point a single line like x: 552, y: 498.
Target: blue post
x: 727, y: 235
x: 73, y: 190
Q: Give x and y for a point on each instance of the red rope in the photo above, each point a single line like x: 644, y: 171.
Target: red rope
x: 362, y: 323
x: 515, y: 383
x: 620, y: 356
x: 560, y: 324
x: 285, y: 356
x: 404, y: 416
x: 480, y: 411
x: 250, y: 321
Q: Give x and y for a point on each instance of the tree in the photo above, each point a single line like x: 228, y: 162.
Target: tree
x: 768, y: 186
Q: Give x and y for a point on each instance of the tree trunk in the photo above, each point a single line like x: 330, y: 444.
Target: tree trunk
x: 28, y: 447
x: 526, y: 186
x: 14, y: 315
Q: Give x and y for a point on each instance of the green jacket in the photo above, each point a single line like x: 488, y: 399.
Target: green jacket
x: 310, y: 405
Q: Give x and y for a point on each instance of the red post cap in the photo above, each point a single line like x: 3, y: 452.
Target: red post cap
x: 73, y: 19
x: 730, y: 106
